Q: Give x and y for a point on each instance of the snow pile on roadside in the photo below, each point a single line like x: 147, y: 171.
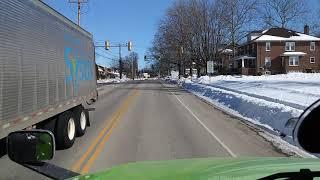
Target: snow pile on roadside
x: 294, y: 76
x: 258, y: 111
x: 297, y: 89
x: 115, y: 80
x: 268, y: 101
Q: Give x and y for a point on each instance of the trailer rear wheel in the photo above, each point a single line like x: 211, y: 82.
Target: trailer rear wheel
x: 81, y: 120
x: 65, y: 131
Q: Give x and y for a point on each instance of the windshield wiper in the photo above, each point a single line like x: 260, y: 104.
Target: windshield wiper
x: 305, y: 174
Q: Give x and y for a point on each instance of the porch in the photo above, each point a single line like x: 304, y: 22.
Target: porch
x: 295, y: 61
x: 245, y: 65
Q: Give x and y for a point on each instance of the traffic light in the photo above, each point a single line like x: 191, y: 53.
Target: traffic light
x: 145, y: 58
x: 129, y: 46
x: 107, y: 45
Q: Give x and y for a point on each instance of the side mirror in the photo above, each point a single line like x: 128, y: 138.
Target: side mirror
x: 291, y: 123
x: 30, y: 146
x: 307, y: 129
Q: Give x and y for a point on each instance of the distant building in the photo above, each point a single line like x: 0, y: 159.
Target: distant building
x: 225, y: 64
x: 277, y: 50
x: 106, y: 73
x: 100, y: 72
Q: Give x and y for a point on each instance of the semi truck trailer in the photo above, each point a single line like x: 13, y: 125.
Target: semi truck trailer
x: 47, y: 72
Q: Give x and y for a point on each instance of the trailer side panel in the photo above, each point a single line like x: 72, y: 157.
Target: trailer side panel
x: 46, y: 62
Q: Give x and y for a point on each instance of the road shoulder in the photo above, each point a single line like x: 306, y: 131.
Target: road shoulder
x: 200, y: 106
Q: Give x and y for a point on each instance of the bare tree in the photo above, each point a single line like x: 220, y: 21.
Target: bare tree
x: 284, y: 13
x: 130, y: 64
x: 172, y: 36
x: 194, y: 31
x: 238, y: 15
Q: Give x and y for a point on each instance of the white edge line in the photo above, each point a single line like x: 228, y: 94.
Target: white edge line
x: 204, y: 126
x: 276, y: 141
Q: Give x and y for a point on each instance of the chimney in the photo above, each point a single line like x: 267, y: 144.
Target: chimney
x: 306, y: 29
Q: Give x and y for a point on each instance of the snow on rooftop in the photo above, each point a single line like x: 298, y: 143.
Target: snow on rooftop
x: 301, y: 37
x: 294, y: 53
x: 227, y: 51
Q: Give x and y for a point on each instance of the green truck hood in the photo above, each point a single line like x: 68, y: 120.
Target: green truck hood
x: 211, y: 168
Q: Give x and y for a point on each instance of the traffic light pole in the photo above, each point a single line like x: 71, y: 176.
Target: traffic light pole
x: 107, y: 46
x: 120, y: 62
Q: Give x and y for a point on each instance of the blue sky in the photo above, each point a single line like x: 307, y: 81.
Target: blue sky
x: 122, y: 20
x: 117, y: 21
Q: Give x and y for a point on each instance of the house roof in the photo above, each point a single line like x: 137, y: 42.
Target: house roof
x: 257, y: 31
x: 243, y: 57
x: 293, y: 54
x: 226, y: 51
x: 282, y: 34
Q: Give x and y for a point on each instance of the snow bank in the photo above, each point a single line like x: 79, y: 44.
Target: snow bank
x: 298, y: 90
x: 115, y: 80
x: 295, y: 76
x: 259, y: 111
x: 268, y: 101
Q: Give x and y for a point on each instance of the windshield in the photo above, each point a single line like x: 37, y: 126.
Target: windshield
x: 125, y: 81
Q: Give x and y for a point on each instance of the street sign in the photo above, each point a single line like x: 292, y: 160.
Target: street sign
x: 210, y: 68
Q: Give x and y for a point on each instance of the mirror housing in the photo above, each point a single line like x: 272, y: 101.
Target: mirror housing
x: 291, y: 123
x: 30, y: 146
x: 306, y: 131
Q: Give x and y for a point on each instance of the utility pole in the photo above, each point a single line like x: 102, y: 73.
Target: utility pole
x: 107, y: 46
x: 78, y: 2
x: 132, y: 71
x: 120, y: 62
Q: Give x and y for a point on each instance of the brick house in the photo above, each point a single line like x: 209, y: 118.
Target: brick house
x: 276, y: 51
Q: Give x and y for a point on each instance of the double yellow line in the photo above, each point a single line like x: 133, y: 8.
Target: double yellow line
x: 102, y: 138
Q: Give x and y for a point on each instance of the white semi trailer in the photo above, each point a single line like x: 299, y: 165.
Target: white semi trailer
x: 47, y: 71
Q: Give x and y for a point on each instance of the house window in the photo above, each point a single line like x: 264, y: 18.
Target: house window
x: 290, y: 46
x: 267, y: 62
x: 268, y: 46
x: 312, y: 46
x: 312, y: 60
x: 293, y: 61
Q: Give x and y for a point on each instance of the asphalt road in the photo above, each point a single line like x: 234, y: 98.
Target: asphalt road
x: 151, y: 120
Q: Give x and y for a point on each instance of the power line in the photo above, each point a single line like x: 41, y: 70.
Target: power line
x: 83, y: 9
x: 110, y: 54
x: 120, y: 45
x: 79, y: 2
x: 104, y: 56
